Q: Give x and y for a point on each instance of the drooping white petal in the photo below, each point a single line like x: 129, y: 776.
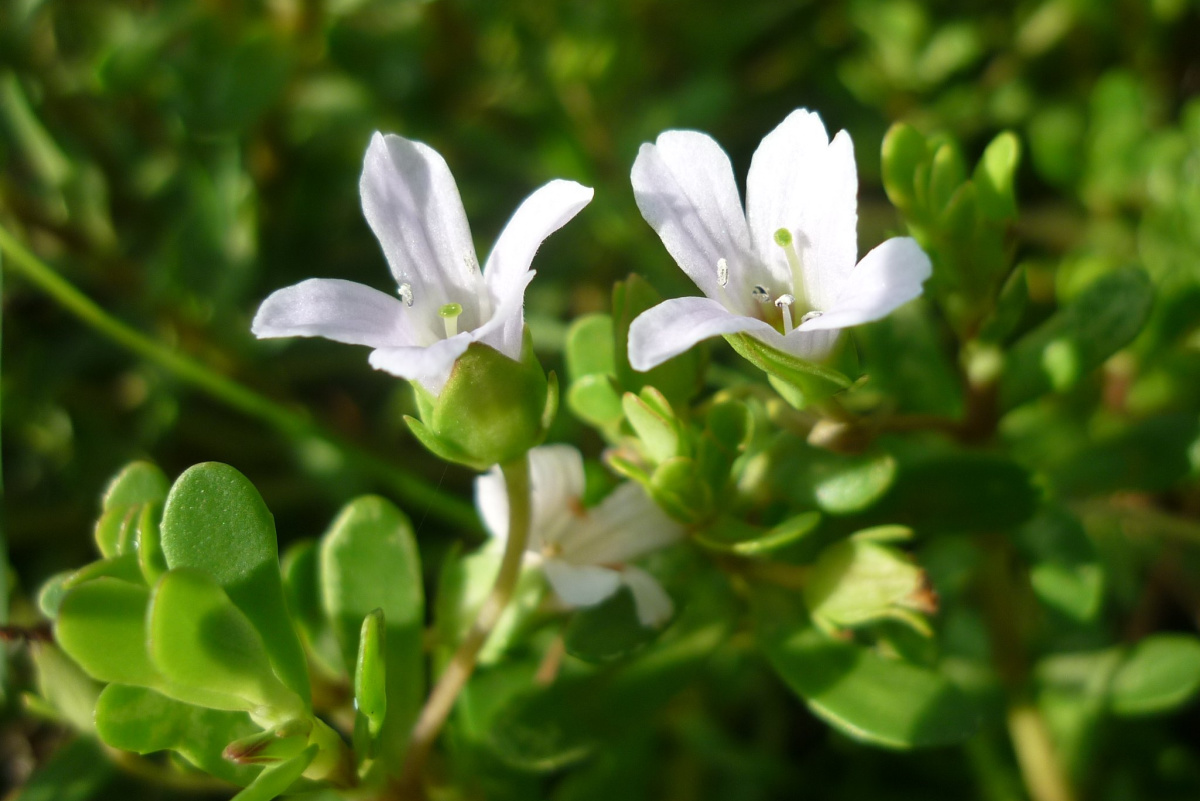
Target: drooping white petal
x: 581, y: 585
x: 802, y: 182
x: 622, y: 527
x: 491, y: 500
x: 556, y: 483
x: 343, y: 311
x: 412, y: 204
x: 505, y: 331
x: 886, y: 278
x: 675, y: 325
x: 654, y: 606
x: 684, y: 187
x: 429, y: 365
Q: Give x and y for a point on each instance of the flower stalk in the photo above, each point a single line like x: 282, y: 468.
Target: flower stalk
x: 450, y: 684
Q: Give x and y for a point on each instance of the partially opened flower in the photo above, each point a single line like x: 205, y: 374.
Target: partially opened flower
x: 443, y: 302
x: 784, y: 270
x: 585, y: 553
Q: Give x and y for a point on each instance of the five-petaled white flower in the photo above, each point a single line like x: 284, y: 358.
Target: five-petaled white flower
x: 784, y: 270
x: 584, y: 553
x: 412, y: 204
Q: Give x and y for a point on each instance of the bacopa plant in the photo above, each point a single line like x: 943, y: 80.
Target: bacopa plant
x: 870, y: 516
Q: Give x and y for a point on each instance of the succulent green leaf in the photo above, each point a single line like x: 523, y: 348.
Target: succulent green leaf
x: 594, y: 399
x: 300, y: 566
x: 209, y: 651
x: 589, y: 349
x: 903, y: 149
x: 101, y: 624
x: 216, y: 522
x: 677, y: 486
x: 846, y: 485
x: 946, y: 175
x: 658, y: 435
x: 67, y: 692
x: 369, y: 561
x: 77, y: 771
x: 994, y: 177
x: 138, y: 484
x: 1097, y: 323
x: 869, y: 697
x: 608, y: 631
x: 1160, y: 674
x: 141, y: 720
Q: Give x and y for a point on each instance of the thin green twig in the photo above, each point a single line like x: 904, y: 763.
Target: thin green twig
x: 412, y: 490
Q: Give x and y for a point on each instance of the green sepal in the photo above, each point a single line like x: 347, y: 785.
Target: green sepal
x: 275, y: 780
x: 270, y: 747
x: 491, y: 411
x: 801, y: 382
x: 862, y: 580
x: 370, y: 672
x: 731, y: 535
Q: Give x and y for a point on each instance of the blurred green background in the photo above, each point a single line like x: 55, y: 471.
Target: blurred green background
x: 177, y: 161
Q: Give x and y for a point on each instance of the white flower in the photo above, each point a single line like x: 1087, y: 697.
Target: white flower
x: 584, y: 552
x: 443, y: 302
x: 784, y: 270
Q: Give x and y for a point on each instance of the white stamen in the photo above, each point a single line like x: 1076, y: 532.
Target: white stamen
x: 760, y: 294
x: 406, y: 293
x: 449, y: 314
x: 812, y: 315
x: 784, y: 302
x: 722, y: 272
x: 472, y: 264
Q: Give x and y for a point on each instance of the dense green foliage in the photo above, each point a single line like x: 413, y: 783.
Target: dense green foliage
x: 961, y: 561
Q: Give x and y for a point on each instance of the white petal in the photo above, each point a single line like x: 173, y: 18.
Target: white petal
x: 887, y: 277
x: 801, y: 181
x: 507, y: 270
x: 654, y: 606
x: 412, y: 204
x: 685, y: 188
x: 581, y: 585
x: 556, y: 480
x: 622, y: 527
x: 675, y: 325
x: 429, y: 365
x: 491, y: 499
x: 343, y: 311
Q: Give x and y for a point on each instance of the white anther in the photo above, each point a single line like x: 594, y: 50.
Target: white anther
x: 812, y: 315
x: 784, y: 302
x: 406, y: 293
x: 760, y: 294
x: 722, y: 272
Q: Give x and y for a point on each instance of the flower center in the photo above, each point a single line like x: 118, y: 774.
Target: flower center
x: 449, y: 314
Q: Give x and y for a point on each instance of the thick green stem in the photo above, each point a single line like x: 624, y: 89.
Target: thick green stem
x: 409, y: 488
x: 441, y: 701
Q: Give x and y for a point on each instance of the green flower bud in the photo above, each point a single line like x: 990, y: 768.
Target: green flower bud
x: 491, y: 411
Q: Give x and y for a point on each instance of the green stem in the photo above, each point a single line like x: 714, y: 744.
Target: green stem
x: 409, y: 488
x: 441, y: 700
